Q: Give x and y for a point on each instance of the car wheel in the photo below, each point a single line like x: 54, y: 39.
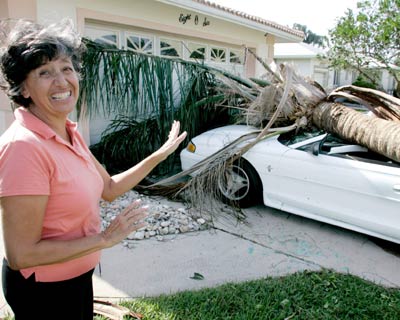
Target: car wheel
x: 240, y: 185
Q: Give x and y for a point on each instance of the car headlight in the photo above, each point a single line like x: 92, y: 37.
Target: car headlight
x: 191, y: 147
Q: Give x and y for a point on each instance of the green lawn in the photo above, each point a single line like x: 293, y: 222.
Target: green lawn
x: 305, y: 295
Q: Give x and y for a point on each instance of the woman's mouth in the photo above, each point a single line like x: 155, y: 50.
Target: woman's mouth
x: 61, y: 96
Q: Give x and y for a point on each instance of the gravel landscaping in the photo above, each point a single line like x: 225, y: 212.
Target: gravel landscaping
x: 165, y: 217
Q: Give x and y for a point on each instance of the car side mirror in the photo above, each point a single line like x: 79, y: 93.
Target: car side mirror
x: 316, y: 148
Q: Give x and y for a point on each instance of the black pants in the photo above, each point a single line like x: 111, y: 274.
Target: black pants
x: 70, y: 299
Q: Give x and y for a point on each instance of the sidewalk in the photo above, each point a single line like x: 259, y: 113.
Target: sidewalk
x: 271, y: 243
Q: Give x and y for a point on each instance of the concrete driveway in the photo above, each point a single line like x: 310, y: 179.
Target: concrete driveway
x: 270, y: 243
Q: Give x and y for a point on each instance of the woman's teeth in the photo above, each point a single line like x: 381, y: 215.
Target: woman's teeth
x: 60, y: 96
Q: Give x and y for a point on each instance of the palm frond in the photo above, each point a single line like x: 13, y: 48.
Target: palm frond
x: 148, y: 92
x: 278, y: 103
x: 124, y: 84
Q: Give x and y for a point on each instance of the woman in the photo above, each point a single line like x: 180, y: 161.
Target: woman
x: 50, y: 183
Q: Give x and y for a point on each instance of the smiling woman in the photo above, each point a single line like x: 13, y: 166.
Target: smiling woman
x: 54, y: 87
x: 51, y: 184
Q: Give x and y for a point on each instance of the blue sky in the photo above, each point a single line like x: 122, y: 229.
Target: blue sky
x: 318, y: 15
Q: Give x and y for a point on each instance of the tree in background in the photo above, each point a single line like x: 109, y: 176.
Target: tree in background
x: 368, y: 40
x: 311, y: 37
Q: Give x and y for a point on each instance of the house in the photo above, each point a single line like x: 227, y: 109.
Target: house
x: 190, y: 29
x: 386, y: 81
x: 307, y: 60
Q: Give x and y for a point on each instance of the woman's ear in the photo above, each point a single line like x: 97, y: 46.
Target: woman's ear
x: 25, y: 92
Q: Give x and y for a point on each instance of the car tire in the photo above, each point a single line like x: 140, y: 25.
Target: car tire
x: 240, y: 185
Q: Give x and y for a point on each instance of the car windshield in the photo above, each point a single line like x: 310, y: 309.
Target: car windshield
x: 335, y: 146
x: 293, y: 137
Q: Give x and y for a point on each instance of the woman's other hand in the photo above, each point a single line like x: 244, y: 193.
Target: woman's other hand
x: 129, y: 220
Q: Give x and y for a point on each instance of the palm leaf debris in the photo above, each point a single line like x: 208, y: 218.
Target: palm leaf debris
x: 139, y: 86
x: 291, y: 102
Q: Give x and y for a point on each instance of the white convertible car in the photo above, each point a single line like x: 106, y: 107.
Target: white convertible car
x: 317, y: 176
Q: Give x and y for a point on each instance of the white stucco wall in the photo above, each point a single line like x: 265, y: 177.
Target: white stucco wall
x: 155, y: 15
x: 49, y: 11
x: 302, y: 66
x: 152, y: 14
x: 388, y: 83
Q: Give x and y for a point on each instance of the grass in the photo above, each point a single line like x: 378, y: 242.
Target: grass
x: 306, y: 295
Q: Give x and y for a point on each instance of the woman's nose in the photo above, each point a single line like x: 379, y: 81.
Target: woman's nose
x: 60, y: 78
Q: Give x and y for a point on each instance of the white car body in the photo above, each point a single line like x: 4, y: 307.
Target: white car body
x: 363, y: 196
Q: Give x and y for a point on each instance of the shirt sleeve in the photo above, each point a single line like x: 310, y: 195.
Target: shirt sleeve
x: 24, y: 170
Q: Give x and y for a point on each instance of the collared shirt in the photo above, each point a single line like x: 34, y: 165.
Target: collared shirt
x: 34, y: 160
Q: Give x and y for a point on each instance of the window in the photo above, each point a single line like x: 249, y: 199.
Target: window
x: 236, y: 56
x: 197, y: 51
x: 108, y: 38
x: 138, y: 43
x: 218, y: 55
x: 170, y: 48
x: 150, y: 42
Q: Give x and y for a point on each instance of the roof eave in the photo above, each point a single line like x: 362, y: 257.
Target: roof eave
x: 220, y: 14
x: 295, y: 56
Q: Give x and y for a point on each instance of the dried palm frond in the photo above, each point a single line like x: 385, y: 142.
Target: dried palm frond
x: 141, y: 95
x: 113, y: 311
x: 286, y: 103
x: 303, y: 96
x: 136, y: 84
x: 203, y: 188
x: 383, y: 105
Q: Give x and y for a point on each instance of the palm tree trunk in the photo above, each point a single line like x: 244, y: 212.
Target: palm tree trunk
x: 376, y: 134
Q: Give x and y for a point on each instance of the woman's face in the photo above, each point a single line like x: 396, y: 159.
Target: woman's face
x: 53, y: 87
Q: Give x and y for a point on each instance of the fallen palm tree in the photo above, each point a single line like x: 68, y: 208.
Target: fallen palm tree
x: 381, y: 104
x: 283, y: 105
x: 279, y: 102
x: 378, y: 135
x: 291, y: 102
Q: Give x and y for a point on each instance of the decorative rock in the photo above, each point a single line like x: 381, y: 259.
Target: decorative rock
x: 139, y: 235
x: 131, y: 236
x: 183, y: 228
x: 164, y: 231
x: 165, y: 224
x: 171, y: 230
x: 162, y: 220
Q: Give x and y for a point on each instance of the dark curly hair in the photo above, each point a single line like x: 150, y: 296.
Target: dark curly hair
x: 29, y: 45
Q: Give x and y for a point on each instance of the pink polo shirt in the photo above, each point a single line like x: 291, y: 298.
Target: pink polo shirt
x: 36, y: 161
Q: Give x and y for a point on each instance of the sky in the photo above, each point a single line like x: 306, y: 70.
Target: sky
x: 317, y: 15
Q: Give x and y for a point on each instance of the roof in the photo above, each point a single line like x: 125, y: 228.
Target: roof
x: 296, y: 50
x: 252, y: 18
x: 239, y: 17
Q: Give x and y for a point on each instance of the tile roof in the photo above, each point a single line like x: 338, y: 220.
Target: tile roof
x: 250, y: 17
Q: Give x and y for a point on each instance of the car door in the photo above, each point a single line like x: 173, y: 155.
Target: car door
x: 337, y: 189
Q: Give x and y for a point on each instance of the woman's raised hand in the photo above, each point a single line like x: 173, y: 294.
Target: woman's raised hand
x: 174, y: 140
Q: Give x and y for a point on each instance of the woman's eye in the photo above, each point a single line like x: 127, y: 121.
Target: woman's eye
x: 68, y: 69
x: 44, y: 73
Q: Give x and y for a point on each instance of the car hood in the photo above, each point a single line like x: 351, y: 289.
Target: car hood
x: 225, y: 134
